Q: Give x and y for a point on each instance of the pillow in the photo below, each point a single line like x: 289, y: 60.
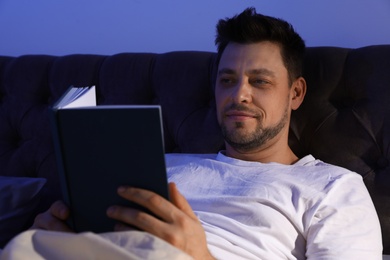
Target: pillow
x: 19, y: 196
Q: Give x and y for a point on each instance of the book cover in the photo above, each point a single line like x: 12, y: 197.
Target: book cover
x: 100, y: 148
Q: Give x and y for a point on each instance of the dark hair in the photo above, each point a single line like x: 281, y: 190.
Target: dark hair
x: 251, y: 27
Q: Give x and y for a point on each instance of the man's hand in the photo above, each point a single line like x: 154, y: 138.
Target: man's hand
x: 53, y: 219
x: 177, y: 223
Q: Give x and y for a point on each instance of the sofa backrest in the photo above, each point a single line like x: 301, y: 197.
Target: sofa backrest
x: 344, y: 120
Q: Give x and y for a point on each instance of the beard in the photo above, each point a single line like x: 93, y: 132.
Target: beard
x: 242, y: 140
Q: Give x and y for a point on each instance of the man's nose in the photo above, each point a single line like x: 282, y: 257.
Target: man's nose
x: 242, y: 92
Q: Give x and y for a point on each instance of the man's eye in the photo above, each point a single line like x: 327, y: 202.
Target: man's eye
x: 259, y: 82
x: 226, y: 81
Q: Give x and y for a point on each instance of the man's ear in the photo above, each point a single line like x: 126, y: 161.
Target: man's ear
x: 298, y: 92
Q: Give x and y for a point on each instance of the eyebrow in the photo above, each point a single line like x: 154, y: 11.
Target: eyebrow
x: 250, y: 72
x: 226, y: 71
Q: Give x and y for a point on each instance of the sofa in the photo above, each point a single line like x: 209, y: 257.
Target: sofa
x: 344, y: 119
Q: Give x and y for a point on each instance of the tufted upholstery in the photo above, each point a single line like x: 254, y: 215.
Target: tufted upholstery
x: 344, y: 120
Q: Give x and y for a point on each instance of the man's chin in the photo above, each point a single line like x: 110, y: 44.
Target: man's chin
x: 240, y: 127
x: 239, y: 139
x: 240, y: 133
x: 243, y: 147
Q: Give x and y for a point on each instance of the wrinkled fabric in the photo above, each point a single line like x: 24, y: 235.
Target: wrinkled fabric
x: 40, y: 244
x: 251, y: 210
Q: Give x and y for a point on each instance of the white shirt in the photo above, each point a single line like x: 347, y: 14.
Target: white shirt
x: 251, y: 210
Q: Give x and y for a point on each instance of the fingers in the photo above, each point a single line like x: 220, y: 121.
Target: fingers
x: 53, y: 219
x: 59, y: 210
x: 139, y: 219
x: 156, y: 204
x: 167, y: 212
x: 130, y: 218
x: 174, y: 221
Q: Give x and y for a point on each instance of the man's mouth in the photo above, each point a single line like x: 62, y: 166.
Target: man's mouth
x: 239, y: 115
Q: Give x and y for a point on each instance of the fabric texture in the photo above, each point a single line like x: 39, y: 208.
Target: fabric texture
x: 251, y: 210
x: 132, y: 245
x: 18, y: 199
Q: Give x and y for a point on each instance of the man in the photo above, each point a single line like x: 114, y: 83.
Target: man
x: 256, y: 199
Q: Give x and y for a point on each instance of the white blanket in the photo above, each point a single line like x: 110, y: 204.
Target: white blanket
x: 39, y: 244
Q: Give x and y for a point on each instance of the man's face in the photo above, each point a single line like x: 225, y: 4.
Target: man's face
x: 252, y: 95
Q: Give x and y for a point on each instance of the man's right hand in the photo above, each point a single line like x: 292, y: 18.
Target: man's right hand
x: 53, y: 219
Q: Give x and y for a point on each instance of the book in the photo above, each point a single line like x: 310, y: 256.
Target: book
x: 99, y: 148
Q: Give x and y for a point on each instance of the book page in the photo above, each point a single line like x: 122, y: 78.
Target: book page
x: 83, y: 99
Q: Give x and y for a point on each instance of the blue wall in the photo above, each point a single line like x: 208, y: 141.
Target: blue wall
x: 106, y: 27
